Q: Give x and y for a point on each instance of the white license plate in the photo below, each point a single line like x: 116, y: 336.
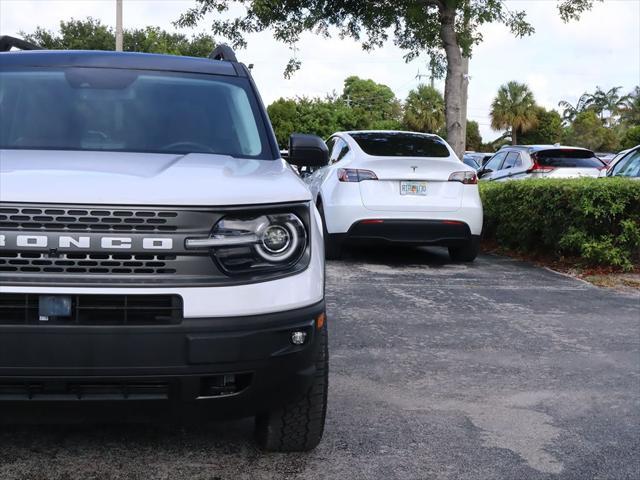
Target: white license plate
x: 413, y: 188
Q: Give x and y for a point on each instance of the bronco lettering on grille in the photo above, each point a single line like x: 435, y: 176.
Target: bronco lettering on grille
x: 83, y: 242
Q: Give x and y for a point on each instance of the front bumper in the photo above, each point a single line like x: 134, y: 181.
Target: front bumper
x: 242, y: 365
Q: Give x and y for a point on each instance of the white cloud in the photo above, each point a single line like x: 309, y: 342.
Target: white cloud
x: 560, y: 61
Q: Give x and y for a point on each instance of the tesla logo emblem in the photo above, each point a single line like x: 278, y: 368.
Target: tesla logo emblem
x: 414, y: 169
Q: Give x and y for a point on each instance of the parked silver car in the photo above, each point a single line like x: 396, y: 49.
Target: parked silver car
x: 541, y: 161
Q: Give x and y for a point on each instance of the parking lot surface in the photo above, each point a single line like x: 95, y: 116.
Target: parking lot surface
x: 495, y: 370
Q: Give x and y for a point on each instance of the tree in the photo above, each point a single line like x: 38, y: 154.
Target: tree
x: 374, y: 105
x: 630, y: 109
x: 474, y: 139
x: 548, y: 129
x: 588, y: 131
x: 514, y: 109
x: 445, y: 30
x: 569, y: 111
x: 608, y: 102
x: 630, y: 138
x: 424, y: 110
x: 91, y: 34
x: 310, y: 115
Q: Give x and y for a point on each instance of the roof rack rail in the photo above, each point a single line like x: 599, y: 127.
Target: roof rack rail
x: 7, y: 42
x: 223, y: 52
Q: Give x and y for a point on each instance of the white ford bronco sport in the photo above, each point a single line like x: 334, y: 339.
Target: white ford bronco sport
x: 154, y: 246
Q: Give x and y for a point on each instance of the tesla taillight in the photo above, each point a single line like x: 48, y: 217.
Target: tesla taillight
x: 467, y: 178
x: 355, y: 175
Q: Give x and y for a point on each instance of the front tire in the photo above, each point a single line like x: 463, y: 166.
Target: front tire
x: 299, y: 425
x: 467, y: 252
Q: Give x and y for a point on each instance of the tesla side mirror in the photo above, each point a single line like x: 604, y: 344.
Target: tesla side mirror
x: 307, y: 151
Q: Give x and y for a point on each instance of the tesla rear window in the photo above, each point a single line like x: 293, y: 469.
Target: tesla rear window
x: 386, y: 144
x: 568, y: 159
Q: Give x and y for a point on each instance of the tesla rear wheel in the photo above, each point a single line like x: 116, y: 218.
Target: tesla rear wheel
x: 332, y: 246
x: 466, y: 253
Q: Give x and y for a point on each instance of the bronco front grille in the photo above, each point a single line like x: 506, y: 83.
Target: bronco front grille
x: 87, y: 257
x: 85, y: 263
x: 95, y: 219
x: 23, y: 309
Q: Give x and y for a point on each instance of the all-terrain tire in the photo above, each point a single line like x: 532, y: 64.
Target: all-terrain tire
x: 299, y: 425
x: 466, y: 253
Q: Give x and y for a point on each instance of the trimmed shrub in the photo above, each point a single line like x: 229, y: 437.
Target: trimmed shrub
x: 595, y: 219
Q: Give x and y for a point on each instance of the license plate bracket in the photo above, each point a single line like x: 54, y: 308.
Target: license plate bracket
x: 53, y: 306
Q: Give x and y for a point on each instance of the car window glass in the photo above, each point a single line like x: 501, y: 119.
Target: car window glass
x: 495, y: 162
x: 330, y: 143
x: 567, y: 158
x: 344, y: 149
x: 631, y: 165
x: 338, y: 151
x: 512, y: 160
x: 620, y: 162
x: 112, y: 109
x: 401, y: 144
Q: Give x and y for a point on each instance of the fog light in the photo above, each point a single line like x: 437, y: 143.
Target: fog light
x: 298, y: 337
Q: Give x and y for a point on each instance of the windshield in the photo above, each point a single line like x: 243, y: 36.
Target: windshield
x: 130, y: 111
x: 568, y: 159
x: 400, y: 144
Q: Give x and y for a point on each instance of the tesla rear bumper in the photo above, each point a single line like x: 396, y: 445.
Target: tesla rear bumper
x: 409, y: 232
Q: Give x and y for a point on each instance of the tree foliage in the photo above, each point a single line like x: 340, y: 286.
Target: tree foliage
x: 513, y: 108
x: 588, y: 131
x: 91, y: 34
x: 374, y: 105
x: 424, y: 110
x: 317, y: 116
x: 445, y: 30
x: 548, y: 129
x: 474, y: 139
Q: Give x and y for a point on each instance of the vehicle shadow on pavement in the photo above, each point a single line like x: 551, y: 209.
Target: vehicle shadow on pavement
x: 398, y: 255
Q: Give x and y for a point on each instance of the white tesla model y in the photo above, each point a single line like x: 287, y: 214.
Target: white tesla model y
x: 397, y: 188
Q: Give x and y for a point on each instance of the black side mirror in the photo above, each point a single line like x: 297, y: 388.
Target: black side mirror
x: 484, y: 171
x: 307, y: 151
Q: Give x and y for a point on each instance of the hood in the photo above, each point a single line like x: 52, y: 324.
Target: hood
x: 70, y: 177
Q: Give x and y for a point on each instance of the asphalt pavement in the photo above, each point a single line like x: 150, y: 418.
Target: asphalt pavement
x: 495, y: 370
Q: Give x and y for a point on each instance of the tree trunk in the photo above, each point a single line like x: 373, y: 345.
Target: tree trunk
x: 465, y: 99
x: 453, y: 87
x: 514, y: 136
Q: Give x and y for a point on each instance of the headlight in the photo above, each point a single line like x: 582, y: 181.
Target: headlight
x: 246, y: 244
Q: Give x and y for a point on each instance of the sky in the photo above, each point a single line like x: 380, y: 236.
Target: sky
x: 559, y: 62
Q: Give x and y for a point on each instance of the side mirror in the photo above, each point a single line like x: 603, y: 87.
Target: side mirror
x: 307, y: 151
x: 484, y: 171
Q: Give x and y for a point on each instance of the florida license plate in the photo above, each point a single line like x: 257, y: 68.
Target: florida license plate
x: 413, y: 188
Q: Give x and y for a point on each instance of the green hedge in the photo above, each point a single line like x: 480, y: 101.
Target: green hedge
x: 597, y: 220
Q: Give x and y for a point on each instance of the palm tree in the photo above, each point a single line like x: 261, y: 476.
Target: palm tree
x: 424, y: 110
x: 569, y: 111
x: 605, y: 102
x: 630, y: 109
x: 514, y: 108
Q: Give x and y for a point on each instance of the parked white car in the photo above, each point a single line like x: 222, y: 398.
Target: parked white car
x: 397, y: 188
x: 541, y: 161
x: 615, y: 164
x: 627, y: 164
